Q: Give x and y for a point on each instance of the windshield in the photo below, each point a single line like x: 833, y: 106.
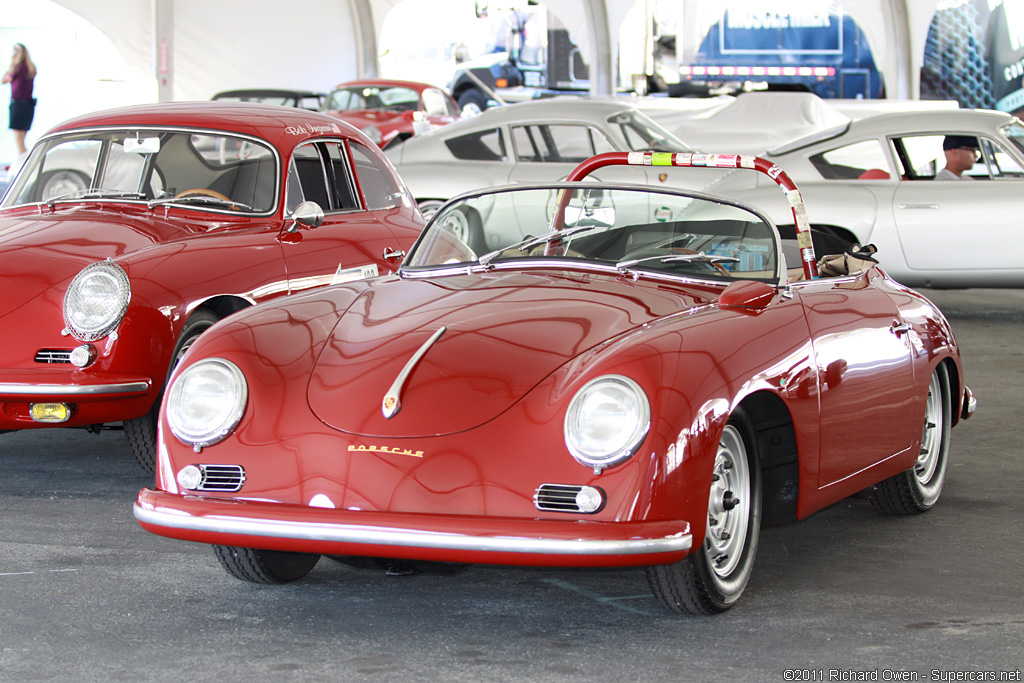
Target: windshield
x: 373, y: 97
x: 643, y: 134
x: 629, y: 231
x: 208, y: 171
x: 1015, y: 133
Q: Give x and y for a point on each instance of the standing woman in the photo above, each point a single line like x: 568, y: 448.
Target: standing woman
x: 21, y: 75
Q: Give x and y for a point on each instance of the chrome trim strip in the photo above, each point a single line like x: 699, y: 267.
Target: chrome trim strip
x: 337, y: 533
x: 392, y: 401
x: 70, y: 390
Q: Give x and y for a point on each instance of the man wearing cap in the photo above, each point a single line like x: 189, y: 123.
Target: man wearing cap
x: 961, y: 154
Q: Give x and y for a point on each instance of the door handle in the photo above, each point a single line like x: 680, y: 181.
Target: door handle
x: 919, y: 206
x: 899, y: 328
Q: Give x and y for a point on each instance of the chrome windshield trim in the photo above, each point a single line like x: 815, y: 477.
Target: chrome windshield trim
x: 73, y: 390
x: 474, y: 268
x: 413, y: 538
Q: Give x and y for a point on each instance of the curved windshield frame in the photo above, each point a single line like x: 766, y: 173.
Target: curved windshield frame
x: 199, y: 169
x: 618, y: 229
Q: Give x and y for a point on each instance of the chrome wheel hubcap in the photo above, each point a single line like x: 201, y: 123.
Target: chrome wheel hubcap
x: 729, y: 505
x: 931, y: 438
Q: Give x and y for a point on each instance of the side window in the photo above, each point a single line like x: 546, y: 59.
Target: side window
x: 375, y: 179
x: 319, y: 173
x: 307, y: 178
x: 557, y: 143
x: 485, y: 145
x: 860, y: 161
x: 343, y: 194
x: 923, y: 156
x: 1001, y: 163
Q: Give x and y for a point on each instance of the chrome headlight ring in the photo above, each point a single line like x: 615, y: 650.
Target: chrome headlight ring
x: 96, y: 300
x: 606, y: 421
x: 205, y: 402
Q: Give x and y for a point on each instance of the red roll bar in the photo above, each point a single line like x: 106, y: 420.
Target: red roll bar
x: 796, y: 202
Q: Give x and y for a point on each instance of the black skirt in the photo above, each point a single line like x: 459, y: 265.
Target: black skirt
x: 22, y: 112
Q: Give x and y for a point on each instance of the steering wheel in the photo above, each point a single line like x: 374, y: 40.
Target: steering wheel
x: 201, y: 191
x: 207, y: 192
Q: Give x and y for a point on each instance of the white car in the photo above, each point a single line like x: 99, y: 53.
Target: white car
x: 537, y: 141
x: 872, y: 180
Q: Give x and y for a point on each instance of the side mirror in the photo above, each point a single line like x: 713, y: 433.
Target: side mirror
x: 747, y: 296
x: 307, y: 213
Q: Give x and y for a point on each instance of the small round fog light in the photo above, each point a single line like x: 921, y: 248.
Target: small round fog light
x: 82, y: 355
x: 589, y: 499
x: 190, y: 477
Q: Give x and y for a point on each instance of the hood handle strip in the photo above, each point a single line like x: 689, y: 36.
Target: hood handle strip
x: 393, y: 399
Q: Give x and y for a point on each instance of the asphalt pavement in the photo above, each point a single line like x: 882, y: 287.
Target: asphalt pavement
x: 849, y: 594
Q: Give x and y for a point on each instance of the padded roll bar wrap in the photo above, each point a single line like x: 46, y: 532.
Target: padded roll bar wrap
x: 796, y: 202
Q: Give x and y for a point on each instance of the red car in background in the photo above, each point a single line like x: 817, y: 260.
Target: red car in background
x: 389, y: 111
x: 127, y: 233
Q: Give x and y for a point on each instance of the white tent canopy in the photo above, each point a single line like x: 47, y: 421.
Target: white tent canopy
x: 192, y: 48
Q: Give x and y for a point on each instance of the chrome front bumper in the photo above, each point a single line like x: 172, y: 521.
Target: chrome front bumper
x: 459, y: 539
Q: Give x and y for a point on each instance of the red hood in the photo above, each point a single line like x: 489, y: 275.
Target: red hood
x: 42, y: 251
x: 504, y: 334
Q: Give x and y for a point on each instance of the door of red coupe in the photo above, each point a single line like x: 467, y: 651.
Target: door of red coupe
x: 363, y: 222
x: 865, y: 375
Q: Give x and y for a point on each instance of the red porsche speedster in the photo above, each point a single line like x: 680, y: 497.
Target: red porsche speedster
x: 129, y: 232
x: 628, y: 376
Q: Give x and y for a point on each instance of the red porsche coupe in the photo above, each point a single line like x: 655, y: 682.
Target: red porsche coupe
x: 129, y: 232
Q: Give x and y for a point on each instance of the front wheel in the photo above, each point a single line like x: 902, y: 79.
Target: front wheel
x: 917, y: 489
x: 713, y: 578
x: 264, y: 566
x: 471, y: 103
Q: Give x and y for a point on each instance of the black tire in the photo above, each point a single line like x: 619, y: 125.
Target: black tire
x: 917, y: 489
x: 264, y: 566
x: 471, y: 103
x: 713, y: 578
x: 141, y: 431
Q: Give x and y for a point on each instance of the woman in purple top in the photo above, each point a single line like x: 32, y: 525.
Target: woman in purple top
x: 21, y: 75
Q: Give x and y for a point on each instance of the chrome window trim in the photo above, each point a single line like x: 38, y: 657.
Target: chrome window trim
x: 278, y: 180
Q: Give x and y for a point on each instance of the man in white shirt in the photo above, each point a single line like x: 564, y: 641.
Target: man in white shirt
x: 961, y: 154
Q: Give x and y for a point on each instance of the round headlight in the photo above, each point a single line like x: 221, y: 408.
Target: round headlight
x: 96, y: 300
x: 206, y: 401
x: 606, y: 421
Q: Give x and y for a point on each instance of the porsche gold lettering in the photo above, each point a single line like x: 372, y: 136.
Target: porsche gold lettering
x: 387, y: 450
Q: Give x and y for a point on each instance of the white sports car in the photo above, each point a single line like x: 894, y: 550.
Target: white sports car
x: 873, y: 180
x: 539, y: 141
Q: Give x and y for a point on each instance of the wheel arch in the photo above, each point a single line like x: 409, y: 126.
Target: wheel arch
x: 222, y: 306
x: 956, y: 389
x: 778, y: 456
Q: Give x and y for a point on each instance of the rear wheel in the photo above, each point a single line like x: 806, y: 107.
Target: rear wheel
x: 713, y: 578
x: 917, y: 489
x: 264, y: 566
x: 464, y: 223
x: 141, y: 431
